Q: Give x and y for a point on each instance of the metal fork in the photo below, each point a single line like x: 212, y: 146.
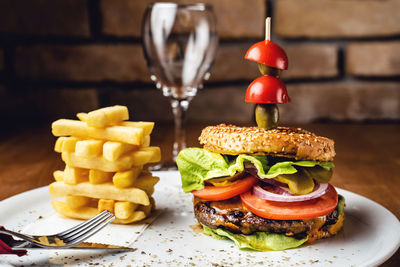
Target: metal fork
x: 69, y: 237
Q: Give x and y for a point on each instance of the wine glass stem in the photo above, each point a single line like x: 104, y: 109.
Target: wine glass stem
x: 179, y: 108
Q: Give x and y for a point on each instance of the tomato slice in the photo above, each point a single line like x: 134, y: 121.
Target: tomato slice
x: 309, y: 209
x: 268, y: 53
x: 268, y: 90
x: 215, y: 193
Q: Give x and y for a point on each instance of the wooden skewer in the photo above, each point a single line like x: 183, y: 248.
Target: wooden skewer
x: 268, y: 29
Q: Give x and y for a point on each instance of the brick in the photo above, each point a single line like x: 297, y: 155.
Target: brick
x: 231, y: 65
x: 221, y: 105
x: 235, y: 19
x: 121, y: 63
x: 122, y: 17
x: 63, y: 102
x: 45, y: 17
x: 146, y: 104
x: 239, y: 19
x: 311, y: 61
x: 373, y: 59
x: 342, y: 101
x: 336, y: 18
x: 12, y: 102
x: 27, y: 103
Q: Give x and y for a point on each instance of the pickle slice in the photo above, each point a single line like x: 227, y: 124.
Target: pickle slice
x: 224, y: 181
x: 299, y: 183
x: 319, y: 174
x: 267, y: 116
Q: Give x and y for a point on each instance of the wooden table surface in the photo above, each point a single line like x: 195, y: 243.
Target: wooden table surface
x: 367, y: 161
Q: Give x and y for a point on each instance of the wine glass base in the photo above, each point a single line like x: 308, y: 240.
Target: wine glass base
x: 168, y: 165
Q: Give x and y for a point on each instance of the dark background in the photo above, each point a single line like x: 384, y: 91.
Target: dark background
x: 60, y: 57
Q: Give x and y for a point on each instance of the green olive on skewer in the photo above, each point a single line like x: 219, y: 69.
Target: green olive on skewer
x: 267, y: 116
x: 267, y: 70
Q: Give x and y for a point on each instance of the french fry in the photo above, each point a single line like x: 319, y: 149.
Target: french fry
x: 124, y: 209
x: 82, y: 116
x: 136, y: 216
x: 146, y: 141
x: 105, y: 191
x: 44, y: 240
x: 146, y: 155
x: 113, y: 150
x: 130, y: 135
x: 98, y: 163
x: 58, y: 176
x: 147, y: 126
x: 73, y: 175
x: 106, y: 204
x: 146, y: 183
x: 89, y: 148
x: 99, y: 177
x: 56, y: 241
x: 146, y: 209
x: 156, y: 157
x: 59, y: 143
x: 126, y: 178
x: 86, y: 213
x: 77, y: 201
x: 136, y: 158
x: 83, y: 213
x: 68, y: 144
x: 100, y: 118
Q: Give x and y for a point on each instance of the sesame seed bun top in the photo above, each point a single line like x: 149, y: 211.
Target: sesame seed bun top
x: 282, y: 141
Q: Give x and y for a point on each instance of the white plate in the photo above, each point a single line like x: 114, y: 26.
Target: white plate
x: 371, y: 234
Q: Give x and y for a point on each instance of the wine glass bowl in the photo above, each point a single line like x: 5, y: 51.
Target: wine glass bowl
x: 179, y: 43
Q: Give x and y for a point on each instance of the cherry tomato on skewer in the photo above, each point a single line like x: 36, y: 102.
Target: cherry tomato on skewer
x: 268, y: 53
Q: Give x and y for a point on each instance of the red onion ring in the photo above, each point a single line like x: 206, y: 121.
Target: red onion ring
x: 319, y: 190
x: 282, y: 190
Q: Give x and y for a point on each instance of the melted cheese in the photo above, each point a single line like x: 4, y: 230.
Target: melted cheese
x: 226, y: 206
x: 333, y: 229
x: 315, y: 233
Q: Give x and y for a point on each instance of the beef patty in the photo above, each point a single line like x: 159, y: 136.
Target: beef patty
x: 231, y: 215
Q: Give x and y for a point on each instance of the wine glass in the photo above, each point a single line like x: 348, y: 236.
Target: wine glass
x: 179, y: 43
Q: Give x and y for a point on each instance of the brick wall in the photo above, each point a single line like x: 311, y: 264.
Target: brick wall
x: 58, y: 57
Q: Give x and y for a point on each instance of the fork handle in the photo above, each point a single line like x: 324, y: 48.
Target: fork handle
x: 5, y: 241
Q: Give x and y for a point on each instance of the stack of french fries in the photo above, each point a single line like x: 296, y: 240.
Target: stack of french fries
x: 106, y: 161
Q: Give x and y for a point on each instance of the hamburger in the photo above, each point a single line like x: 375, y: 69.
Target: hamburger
x: 263, y: 189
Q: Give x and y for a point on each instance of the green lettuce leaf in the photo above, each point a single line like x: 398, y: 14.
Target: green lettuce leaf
x: 262, y: 241
x: 197, y: 165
